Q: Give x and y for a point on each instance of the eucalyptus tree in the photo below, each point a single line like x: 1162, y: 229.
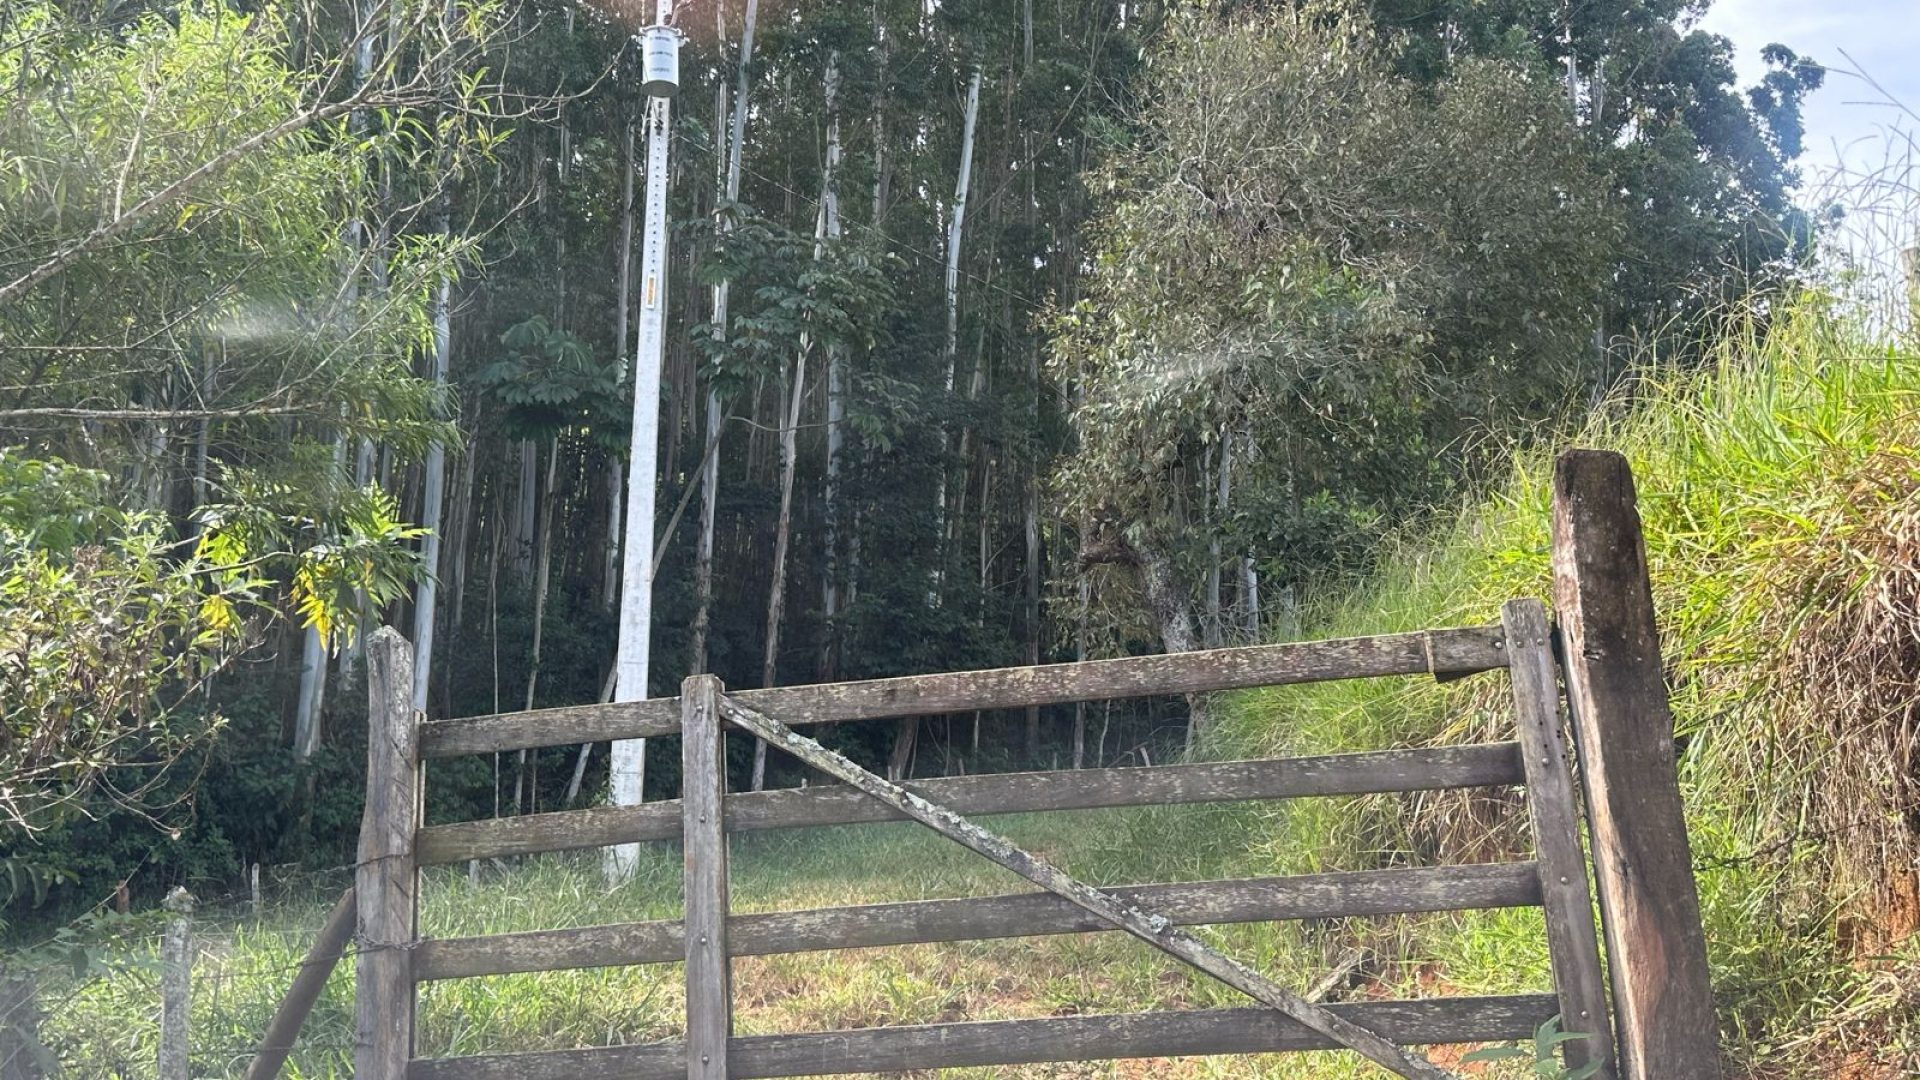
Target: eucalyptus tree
x: 1309, y: 253
x: 550, y: 387
x: 730, y: 158
x: 1701, y: 170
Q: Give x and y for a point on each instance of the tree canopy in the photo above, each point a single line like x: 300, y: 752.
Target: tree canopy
x: 316, y: 302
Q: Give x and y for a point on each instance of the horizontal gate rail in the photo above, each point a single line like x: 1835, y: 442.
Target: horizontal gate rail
x: 1272, y: 899
x: 1019, y: 1042
x: 1425, y: 769
x: 1444, y: 652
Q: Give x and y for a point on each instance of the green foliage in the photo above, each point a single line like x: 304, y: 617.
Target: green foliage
x: 1543, y: 1057
x: 110, y: 640
x: 52, y: 505
x: 798, y: 293
x: 1346, y: 271
x: 92, y: 633
x: 229, y: 305
x: 549, y: 380
x: 369, y: 562
x: 335, y: 551
x: 1701, y: 176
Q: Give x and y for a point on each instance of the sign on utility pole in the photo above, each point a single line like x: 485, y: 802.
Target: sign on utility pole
x: 660, y: 57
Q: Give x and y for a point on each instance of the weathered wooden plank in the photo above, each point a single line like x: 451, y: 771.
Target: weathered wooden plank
x: 1623, y: 728
x: 1271, y: 899
x: 985, y: 1044
x: 384, y: 884
x: 1572, y: 943
x: 1425, y: 769
x: 703, y: 771
x: 1153, y: 928
x: 308, y: 983
x: 1455, y: 651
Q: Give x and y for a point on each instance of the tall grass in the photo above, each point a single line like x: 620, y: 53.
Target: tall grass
x: 1780, y: 492
x: 107, y: 1026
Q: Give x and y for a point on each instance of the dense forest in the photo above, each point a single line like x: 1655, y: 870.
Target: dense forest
x: 997, y: 334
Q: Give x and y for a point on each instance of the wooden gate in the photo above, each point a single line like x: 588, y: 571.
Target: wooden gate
x: 1661, y: 1006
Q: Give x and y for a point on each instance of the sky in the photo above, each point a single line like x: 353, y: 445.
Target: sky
x: 1881, y: 37
x: 1848, y: 119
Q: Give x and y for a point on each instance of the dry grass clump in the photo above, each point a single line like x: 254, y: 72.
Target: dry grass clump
x: 1849, y: 681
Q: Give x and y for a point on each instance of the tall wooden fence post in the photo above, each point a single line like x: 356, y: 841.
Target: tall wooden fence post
x: 384, y: 883
x: 176, y: 987
x: 1623, y: 728
x: 703, y: 771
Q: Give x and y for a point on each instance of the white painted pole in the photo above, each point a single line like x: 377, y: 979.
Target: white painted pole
x: 636, y: 597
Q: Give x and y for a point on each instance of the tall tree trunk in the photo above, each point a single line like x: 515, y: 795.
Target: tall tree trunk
x: 703, y: 548
x: 777, y: 592
x: 880, y: 174
x: 976, y: 387
x: 836, y: 390
x: 616, y: 502
x: 526, y: 509
x: 313, y: 692
x: 1081, y: 615
x: 542, y: 575
x: 313, y: 662
x: 1031, y: 530
x: 562, y: 163
x: 462, y: 536
x: 1215, y: 518
x: 543, y: 567
x: 426, y: 594
x: 900, y: 760
x: 1167, y: 601
x: 202, y: 450
x: 1250, y: 596
x: 1249, y: 573
x: 956, y: 229
x: 826, y: 224
x: 710, y: 467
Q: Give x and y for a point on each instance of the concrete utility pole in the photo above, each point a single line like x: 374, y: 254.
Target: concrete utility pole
x: 660, y: 59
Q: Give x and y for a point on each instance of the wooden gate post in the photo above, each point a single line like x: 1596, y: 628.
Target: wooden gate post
x: 703, y: 772
x: 1623, y: 729
x: 384, y: 883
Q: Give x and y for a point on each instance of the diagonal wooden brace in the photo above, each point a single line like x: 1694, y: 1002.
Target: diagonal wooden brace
x: 1154, y: 929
